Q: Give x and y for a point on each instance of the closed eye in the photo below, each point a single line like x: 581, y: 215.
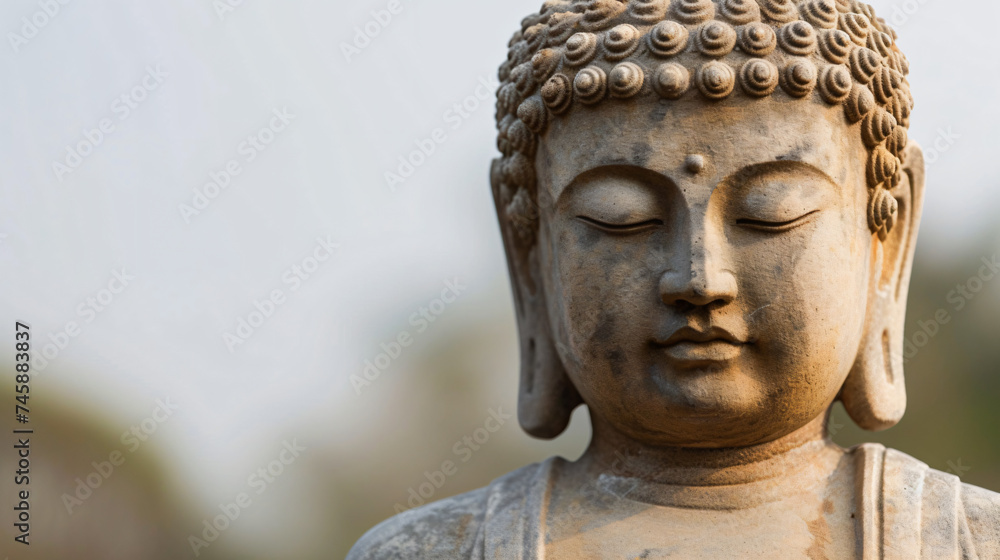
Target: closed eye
x: 620, y: 228
x: 775, y: 227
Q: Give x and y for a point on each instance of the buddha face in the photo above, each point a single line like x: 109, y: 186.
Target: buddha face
x: 706, y: 267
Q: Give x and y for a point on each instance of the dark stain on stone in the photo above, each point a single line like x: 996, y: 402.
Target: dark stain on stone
x: 616, y: 356
x: 820, y: 531
x: 641, y: 153
x: 605, y: 329
x: 589, y: 238
x: 659, y: 111
x: 797, y: 153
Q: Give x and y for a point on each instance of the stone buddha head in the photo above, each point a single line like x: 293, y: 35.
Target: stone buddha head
x: 709, y: 210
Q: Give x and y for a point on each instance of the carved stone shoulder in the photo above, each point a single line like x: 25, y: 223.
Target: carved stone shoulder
x: 982, y: 512
x: 496, y: 518
x: 442, y: 530
x: 925, y: 513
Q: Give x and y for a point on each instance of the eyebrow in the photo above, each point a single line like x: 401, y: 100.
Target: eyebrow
x: 627, y: 171
x: 747, y: 172
x: 762, y: 169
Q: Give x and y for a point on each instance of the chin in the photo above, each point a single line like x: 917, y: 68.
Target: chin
x: 693, y: 434
x: 704, y: 425
x: 710, y: 392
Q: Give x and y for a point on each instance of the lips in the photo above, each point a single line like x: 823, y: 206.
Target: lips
x: 696, y: 347
x: 690, y: 334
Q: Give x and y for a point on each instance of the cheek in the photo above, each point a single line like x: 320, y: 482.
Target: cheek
x: 810, y: 298
x: 596, y: 294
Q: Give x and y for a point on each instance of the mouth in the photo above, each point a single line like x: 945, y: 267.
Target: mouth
x: 692, y: 347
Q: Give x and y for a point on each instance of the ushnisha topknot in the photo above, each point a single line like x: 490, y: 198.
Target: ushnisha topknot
x: 582, y: 53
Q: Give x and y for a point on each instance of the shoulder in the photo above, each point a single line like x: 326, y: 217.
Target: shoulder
x: 440, y: 530
x: 968, y: 514
x: 982, y: 513
x: 977, y: 507
x: 446, y: 529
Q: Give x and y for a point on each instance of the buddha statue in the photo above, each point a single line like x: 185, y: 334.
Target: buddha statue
x: 709, y: 209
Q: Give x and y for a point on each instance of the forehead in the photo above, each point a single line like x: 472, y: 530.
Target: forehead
x: 660, y: 135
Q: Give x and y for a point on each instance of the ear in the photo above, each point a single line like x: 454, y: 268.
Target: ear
x: 546, y: 396
x: 875, y: 393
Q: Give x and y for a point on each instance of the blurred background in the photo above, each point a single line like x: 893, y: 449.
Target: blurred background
x: 197, y: 225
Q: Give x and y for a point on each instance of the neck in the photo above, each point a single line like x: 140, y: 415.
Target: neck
x: 612, y: 453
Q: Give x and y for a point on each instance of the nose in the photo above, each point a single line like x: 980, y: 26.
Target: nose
x: 699, y: 277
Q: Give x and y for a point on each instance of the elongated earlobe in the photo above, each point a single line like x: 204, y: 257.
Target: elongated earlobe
x: 875, y: 392
x: 546, y: 396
